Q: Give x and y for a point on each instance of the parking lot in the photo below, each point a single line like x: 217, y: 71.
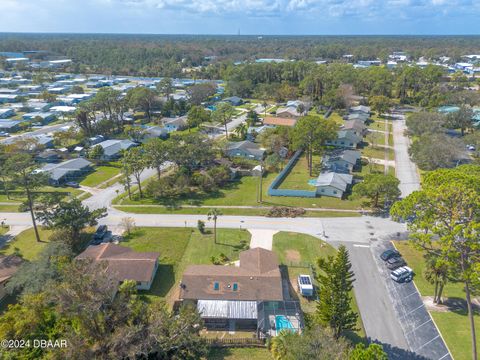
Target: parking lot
x: 421, y: 334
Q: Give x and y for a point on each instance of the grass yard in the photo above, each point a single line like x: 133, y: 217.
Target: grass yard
x: 378, y: 153
x: 299, y: 176
x: 455, y: 329
x: 297, y: 252
x: 101, y: 174
x: 239, y: 354
x: 159, y: 209
x: 180, y: 247
x: 4, y: 229
x: 26, y: 245
x: 454, y: 325
x: 244, y: 193
x: 170, y: 243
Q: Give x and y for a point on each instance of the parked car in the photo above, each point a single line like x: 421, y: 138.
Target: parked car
x: 100, y: 233
x: 395, y: 262
x: 73, y: 184
x: 389, y: 254
x: 402, y: 274
x: 4, y: 134
x: 471, y: 147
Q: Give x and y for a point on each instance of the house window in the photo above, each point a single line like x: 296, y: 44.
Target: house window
x: 334, y: 191
x: 216, y: 286
x: 235, y: 286
x: 323, y: 190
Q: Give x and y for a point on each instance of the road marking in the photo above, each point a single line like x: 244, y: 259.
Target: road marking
x: 447, y: 354
x: 419, y: 326
x: 361, y: 245
x: 412, y: 311
x: 435, y: 338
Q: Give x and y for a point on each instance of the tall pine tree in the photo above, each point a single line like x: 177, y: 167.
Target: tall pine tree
x: 335, y: 287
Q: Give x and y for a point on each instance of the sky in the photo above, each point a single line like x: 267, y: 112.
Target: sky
x: 249, y: 17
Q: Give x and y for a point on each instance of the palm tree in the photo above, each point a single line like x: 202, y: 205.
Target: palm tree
x: 280, y: 344
x: 241, y: 131
x: 436, y: 273
x: 213, y: 215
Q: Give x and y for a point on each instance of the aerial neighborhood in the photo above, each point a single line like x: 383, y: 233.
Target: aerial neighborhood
x: 278, y: 200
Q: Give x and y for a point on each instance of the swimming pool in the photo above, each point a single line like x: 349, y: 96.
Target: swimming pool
x: 281, y: 322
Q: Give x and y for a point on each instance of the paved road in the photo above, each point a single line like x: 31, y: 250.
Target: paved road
x: 43, y: 130
x: 378, y: 315
x: 405, y: 169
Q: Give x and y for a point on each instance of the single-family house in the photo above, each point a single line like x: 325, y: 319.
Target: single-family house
x: 279, y: 121
x: 44, y: 140
x: 249, y: 296
x: 234, y: 100
x: 9, y: 126
x: 288, y: 112
x: 346, y: 139
x: 357, y: 116
x: 341, y: 161
x: 38, y: 106
x: 112, y: 149
x: 246, y: 149
x: 9, y: 98
x: 97, y: 139
x: 175, y: 124
x: 124, y: 264
x: 6, y: 113
x: 66, y: 171
x: 48, y: 156
x: 333, y: 184
x: 296, y: 103
x: 360, y: 109
x: 152, y: 132
x: 357, y: 126
x: 9, y: 265
x: 9, y: 91
x: 43, y: 117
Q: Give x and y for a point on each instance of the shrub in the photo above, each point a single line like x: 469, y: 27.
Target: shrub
x: 284, y: 211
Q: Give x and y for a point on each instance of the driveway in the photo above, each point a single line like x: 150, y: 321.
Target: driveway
x: 262, y: 238
x: 405, y: 169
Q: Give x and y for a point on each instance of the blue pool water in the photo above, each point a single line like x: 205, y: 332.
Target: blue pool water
x: 281, y: 322
x: 312, y: 182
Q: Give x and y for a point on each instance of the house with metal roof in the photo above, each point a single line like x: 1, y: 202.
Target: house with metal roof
x: 9, y: 126
x: 6, y: 113
x: 341, y: 161
x: 246, y: 149
x: 360, y: 109
x: 112, y: 149
x: 250, y: 296
x: 333, y: 184
x: 346, y: 139
x: 66, y: 171
x: 43, y: 117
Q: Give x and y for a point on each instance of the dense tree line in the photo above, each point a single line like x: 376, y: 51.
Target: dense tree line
x: 163, y: 55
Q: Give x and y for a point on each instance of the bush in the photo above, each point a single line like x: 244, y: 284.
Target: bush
x: 201, y: 226
x: 284, y: 211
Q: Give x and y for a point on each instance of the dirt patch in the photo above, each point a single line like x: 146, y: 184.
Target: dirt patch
x: 292, y: 255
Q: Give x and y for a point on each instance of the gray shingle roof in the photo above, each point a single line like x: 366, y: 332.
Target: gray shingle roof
x: 333, y: 179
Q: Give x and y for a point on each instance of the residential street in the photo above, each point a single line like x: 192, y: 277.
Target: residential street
x: 405, y: 169
x: 44, y: 130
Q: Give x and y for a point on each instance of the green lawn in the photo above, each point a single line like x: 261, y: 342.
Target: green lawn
x: 180, y: 247
x: 101, y: 174
x: 244, y: 193
x: 299, y: 176
x: 239, y: 354
x: 453, y: 325
x: 298, y: 252
x: 170, y: 243
x: 378, y: 153
x: 455, y: 329
x: 229, y: 211
x: 26, y: 245
x: 4, y: 229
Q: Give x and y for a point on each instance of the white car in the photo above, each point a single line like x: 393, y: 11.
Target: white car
x: 402, y: 274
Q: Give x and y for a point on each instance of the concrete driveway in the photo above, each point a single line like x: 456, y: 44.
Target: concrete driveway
x: 405, y: 168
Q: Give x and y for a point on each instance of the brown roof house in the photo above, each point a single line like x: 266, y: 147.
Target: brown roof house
x: 279, y: 121
x: 8, y: 267
x: 250, y: 296
x: 125, y: 263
